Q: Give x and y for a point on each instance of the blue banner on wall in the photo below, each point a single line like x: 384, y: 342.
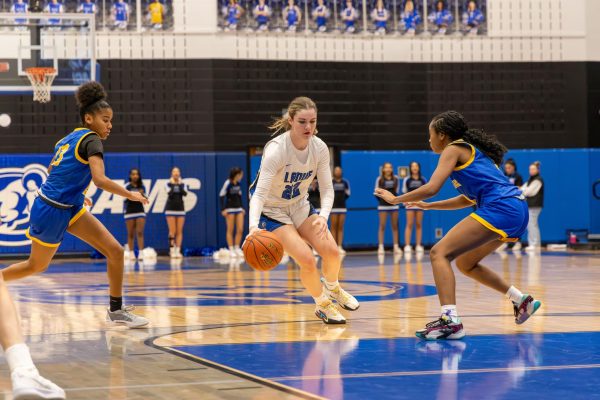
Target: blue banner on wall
x: 21, y: 176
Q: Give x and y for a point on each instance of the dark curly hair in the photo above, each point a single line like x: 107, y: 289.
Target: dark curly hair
x: 455, y: 126
x: 91, y: 98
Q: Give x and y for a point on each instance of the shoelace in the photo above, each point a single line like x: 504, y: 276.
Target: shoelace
x: 331, y: 307
x: 437, y: 322
x: 128, y: 308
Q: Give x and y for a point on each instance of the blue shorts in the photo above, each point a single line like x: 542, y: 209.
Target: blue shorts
x: 294, y: 215
x: 48, y: 224
x: 507, y: 217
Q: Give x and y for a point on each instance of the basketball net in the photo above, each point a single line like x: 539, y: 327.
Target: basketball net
x: 41, y: 79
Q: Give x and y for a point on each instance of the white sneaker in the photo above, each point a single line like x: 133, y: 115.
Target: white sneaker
x: 343, y: 298
x: 178, y: 253
x: 28, y: 384
x: 172, y: 252
x: 239, y: 252
x: 420, y: 249
x: 407, y: 249
x: 517, y: 247
x: 329, y: 313
x: 129, y: 255
x: 125, y: 316
x: 341, y: 250
x: 149, y: 252
x: 140, y: 255
x: 397, y: 249
x: 380, y: 250
x: 532, y: 248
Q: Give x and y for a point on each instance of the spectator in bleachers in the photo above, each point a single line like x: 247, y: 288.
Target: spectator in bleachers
x: 262, y: 14
x: 120, y: 12
x: 410, y: 18
x: 321, y: 15
x: 87, y: 7
x: 380, y: 16
x: 472, y: 18
x: 54, y: 7
x: 156, y: 13
x: 441, y: 18
x: 349, y: 16
x: 232, y: 13
x: 19, y: 7
x: 292, y: 16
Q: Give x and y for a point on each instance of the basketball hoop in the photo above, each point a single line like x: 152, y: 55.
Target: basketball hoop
x: 41, y: 79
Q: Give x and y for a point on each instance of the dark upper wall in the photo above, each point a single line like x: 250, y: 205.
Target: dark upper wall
x: 195, y: 105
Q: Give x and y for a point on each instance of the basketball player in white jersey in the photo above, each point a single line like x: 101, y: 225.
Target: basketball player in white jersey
x: 280, y: 205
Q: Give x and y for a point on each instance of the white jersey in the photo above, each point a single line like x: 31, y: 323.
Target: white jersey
x: 286, y: 173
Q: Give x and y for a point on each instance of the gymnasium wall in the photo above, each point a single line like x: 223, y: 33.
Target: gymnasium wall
x: 224, y: 105
x: 205, y: 173
x: 568, y: 175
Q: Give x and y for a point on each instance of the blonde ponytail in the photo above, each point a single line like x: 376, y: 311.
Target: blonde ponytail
x: 282, y: 124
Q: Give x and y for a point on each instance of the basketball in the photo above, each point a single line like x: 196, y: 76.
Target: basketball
x: 263, y: 251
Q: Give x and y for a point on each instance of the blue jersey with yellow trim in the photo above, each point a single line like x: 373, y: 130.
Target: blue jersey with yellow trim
x: 70, y: 175
x: 480, y: 180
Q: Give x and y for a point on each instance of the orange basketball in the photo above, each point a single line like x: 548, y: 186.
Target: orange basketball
x: 263, y: 251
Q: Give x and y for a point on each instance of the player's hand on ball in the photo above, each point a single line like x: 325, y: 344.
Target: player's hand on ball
x: 253, y: 231
x: 419, y: 204
x: 137, y: 196
x: 385, y: 195
x: 320, y: 225
x: 88, y: 202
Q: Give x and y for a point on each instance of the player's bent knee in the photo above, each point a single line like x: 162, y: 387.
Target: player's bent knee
x: 307, y: 262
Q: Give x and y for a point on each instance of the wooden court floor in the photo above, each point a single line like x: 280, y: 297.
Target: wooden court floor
x: 223, y: 331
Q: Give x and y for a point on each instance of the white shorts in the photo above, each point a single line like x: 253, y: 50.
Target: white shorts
x: 295, y: 214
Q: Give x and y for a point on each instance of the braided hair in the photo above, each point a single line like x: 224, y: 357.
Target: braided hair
x: 455, y: 126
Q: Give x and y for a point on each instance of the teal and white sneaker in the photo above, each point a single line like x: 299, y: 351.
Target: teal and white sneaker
x: 329, y: 313
x: 343, y: 298
x: 28, y: 384
x: 125, y: 316
x: 526, y: 308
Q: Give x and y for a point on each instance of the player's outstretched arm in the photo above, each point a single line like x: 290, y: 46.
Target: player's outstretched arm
x: 103, y: 182
x: 455, y: 203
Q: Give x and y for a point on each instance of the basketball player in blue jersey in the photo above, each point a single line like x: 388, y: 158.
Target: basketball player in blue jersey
x: 26, y: 380
x: 470, y: 158
x: 78, y: 160
x: 349, y: 16
x: 292, y: 15
x: 262, y: 14
x: 120, y: 12
x: 19, y: 7
x: 87, y: 7
x: 321, y: 15
x: 54, y: 7
x: 380, y: 15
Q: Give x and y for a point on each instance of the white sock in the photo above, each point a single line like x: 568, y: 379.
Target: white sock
x: 331, y: 285
x: 231, y: 248
x: 514, y: 294
x: 450, y: 311
x: 321, y: 299
x: 18, y: 356
x: 237, y: 247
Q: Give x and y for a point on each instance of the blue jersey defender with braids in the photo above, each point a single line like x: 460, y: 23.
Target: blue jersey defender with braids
x: 470, y: 158
x: 78, y: 160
